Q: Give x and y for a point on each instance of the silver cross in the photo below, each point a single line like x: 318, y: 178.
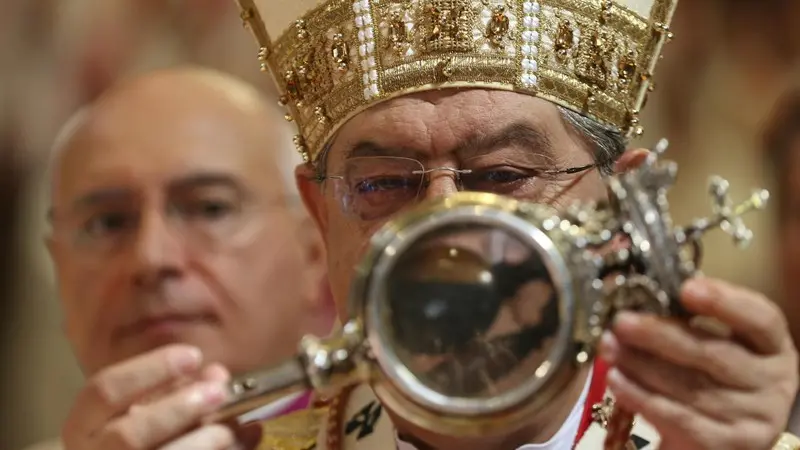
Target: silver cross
x: 728, y: 216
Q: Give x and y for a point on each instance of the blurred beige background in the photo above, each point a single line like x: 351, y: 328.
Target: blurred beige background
x: 730, y: 61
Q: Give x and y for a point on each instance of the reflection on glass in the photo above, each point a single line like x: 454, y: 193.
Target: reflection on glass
x: 473, y: 311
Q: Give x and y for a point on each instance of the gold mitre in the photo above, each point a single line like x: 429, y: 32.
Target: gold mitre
x: 332, y: 59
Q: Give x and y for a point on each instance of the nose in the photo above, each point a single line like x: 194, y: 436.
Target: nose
x: 442, y: 183
x: 158, y: 252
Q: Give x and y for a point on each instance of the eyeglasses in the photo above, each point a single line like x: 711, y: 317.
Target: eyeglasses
x: 204, y: 223
x: 377, y: 186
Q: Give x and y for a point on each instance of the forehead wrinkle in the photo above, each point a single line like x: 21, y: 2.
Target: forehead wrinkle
x: 525, y: 139
x: 369, y: 148
x: 521, y: 138
x: 411, y: 111
x: 438, y: 122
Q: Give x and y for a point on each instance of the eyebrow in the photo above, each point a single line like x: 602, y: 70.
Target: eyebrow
x: 520, y: 135
x: 205, y: 179
x: 117, y: 194
x: 368, y: 148
x: 532, y: 140
x: 100, y: 196
x: 88, y: 200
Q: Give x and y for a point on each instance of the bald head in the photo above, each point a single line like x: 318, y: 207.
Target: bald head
x: 170, y: 198
x: 168, y: 105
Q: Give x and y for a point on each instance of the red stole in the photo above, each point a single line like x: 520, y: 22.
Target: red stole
x: 596, y: 394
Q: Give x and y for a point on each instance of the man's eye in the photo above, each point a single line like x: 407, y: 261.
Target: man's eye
x: 489, y: 179
x: 372, y: 185
x: 502, y: 176
x: 108, y: 223
x: 209, y: 209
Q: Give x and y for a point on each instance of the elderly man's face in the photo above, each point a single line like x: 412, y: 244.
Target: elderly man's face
x: 505, y: 139
x: 171, y: 224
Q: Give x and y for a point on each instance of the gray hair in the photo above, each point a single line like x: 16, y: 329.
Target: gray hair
x: 607, y: 145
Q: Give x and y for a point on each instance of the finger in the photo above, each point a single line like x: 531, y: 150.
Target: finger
x: 147, y: 426
x: 686, y: 386
x: 669, y: 417
x: 114, y: 390
x: 209, y: 437
x: 672, y: 341
x: 680, y: 426
x: 754, y: 319
x: 216, y: 372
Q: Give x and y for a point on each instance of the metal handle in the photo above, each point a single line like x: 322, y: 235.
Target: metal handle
x: 261, y: 388
x: 322, y: 365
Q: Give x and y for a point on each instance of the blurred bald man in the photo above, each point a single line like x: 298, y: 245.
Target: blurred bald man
x: 182, y: 256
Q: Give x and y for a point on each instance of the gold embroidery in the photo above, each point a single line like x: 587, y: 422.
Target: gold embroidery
x: 627, y: 70
x: 589, y: 102
x: 340, y: 51
x: 292, y: 85
x: 300, y: 145
x: 632, y: 119
x: 345, y: 55
x: 313, y: 77
x: 601, y: 412
x: 605, y: 11
x: 398, y: 34
x: 263, y: 53
x: 448, y: 22
x: 564, y: 40
x: 497, y: 28
x: 296, y: 431
x: 319, y: 111
x: 300, y: 29
x: 444, y: 68
x: 593, y: 67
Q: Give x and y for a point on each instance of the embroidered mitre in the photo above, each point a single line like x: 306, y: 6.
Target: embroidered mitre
x: 295, y: 431
x: 331, y: 59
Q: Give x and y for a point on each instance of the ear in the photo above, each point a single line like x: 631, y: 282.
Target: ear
x: 327, y: 307
x: 321, y: 307
x: 313, y: 247
x: 314, y: 201
x: 314, y: 256
x: 313, y: 198
x: 631, y: 159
